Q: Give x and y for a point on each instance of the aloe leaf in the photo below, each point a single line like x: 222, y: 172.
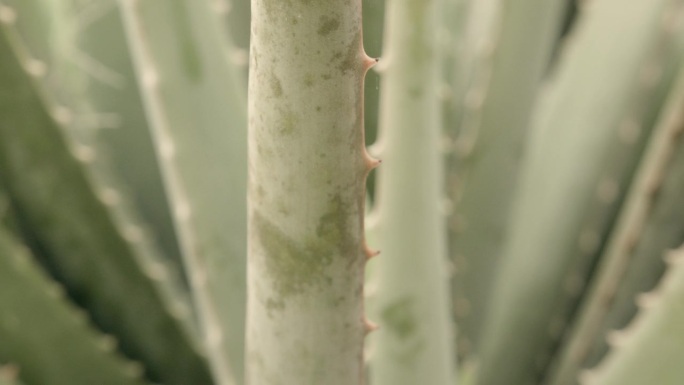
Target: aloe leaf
x: 585, y: 144
x: 194, y: 98
x: 662, y: 230
x: 92, y: 71
x: 452, y: 40
x: 489, y: 151
x: 414, y: 343
x: 84, y: 66
x: 308, y: 167
x: 655, y: 185
x: 46, y: 338
x: 48, y: 183
x: 650, y: 349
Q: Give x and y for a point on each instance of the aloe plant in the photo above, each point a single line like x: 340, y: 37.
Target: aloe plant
x: 184, y: 194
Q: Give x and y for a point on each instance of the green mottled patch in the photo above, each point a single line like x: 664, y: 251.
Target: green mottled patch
x: 337, y: 301
x: 288, y: 123
x: 276, y: 87
x: 309, y: 79
x: 399, y: 318
x: 351, y: 61
x: 271, y: 9
x: 415, y: 92
x: 273, y: 305
x: 292, y: 3
x: 295, y: 265
x: 259, y: 190
x: 283, y: 209
x: 328, y: 25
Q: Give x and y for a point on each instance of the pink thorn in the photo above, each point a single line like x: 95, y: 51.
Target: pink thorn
x: 369, y: 326
x: 370, y: 253
x: 369, y: 62
x: 371, y: 162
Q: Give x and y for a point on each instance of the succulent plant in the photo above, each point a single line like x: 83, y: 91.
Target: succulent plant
x: 187, y: 195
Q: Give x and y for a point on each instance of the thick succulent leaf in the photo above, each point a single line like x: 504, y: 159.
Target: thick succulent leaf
x: 55, y: 200
x: 46, y: 338
x: 414, y: 343
x: 650, y: 350
x: 489, y: 149
x: 641, y: 236
x: 195, y: 101
x: 586, y: 140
